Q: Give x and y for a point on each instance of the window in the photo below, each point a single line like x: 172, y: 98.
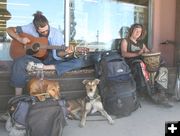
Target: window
x: 93, y: 23
x: 96, y: 23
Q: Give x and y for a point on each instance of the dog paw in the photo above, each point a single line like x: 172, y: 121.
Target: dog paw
x: 56, y: 97
x: 111, y: 122
x: 81, y: 125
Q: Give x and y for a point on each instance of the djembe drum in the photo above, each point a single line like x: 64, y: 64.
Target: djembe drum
x: 152, y: 61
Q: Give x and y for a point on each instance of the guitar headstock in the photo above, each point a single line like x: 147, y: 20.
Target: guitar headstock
x: 81, y: 51
x: 75, y: 52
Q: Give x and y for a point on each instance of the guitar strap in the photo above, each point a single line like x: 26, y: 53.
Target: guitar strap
x: 19, y: 29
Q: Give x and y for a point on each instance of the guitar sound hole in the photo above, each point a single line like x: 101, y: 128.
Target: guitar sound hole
x: 35, y: 47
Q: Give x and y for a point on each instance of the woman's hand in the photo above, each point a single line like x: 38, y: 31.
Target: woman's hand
x: 141, y: 51
x: 146, y: 50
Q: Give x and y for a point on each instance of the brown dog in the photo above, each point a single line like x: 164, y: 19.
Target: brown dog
x: 43, y: 88
x: 93, y: 101
x: 79, y: 108
x: 75, y: 108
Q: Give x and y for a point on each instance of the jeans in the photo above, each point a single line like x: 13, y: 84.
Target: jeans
x: 19, y: 74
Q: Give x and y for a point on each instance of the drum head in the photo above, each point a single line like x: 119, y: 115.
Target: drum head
x: 152, y: 61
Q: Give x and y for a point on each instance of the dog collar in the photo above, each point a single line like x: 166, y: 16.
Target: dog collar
x: 96, y: 96
x: 88, y: 99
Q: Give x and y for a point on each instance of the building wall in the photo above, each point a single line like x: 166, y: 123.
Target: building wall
x: 164, y: 16
x: 177, y: 48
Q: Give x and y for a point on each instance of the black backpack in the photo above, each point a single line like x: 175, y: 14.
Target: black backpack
x: 116, y: 45
x: 46, y: 118
x: 113, y: 67
x: 117, y: 86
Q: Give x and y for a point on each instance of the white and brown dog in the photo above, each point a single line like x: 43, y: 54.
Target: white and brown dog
x: 93, y: 101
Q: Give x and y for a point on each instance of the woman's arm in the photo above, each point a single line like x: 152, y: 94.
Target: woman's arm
x: 124, y: 50
x: 145, y: 49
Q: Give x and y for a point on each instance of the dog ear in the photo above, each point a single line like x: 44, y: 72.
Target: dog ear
x: 96, y: 81
x: 85, y: 81
x: 57, y: 85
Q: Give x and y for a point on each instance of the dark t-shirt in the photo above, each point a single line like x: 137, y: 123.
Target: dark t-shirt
x: 133, y: 47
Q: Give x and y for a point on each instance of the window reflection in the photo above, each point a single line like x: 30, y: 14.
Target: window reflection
x: 97, y: 22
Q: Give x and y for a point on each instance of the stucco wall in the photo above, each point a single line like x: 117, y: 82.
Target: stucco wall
x: 164, y: 12
x: 177, y: 49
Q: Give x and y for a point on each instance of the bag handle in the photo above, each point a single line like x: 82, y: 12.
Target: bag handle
x: 16, y: 99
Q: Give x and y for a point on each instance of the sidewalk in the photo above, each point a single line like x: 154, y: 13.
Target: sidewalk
x: 149, y: 120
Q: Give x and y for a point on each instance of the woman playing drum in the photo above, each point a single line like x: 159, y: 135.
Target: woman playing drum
x: 132, y: 49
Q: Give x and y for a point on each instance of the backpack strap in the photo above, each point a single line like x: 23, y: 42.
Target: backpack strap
x: 16, y: 99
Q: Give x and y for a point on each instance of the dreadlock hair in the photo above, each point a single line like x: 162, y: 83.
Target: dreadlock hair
x: 39, y: 20
x: 136, y: 25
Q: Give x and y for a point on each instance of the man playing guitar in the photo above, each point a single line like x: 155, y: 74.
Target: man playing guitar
x: 51, y: 60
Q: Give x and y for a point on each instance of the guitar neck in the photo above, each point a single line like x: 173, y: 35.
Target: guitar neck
x: 56, y: 47
x: 37, y: 46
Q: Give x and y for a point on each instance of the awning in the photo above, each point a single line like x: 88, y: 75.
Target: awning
x: 4, y: 14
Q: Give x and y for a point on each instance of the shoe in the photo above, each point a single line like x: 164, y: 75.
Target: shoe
x: 155, y: 98
x: 167, y: 103
x: 162, y: 100
x: 31, y: 66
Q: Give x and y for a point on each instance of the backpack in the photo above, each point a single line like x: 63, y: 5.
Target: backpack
x: 117, y: 86
x: 113, y: 67
x: 116, y: 45
x: 35, y: 118
x: 45, y: 119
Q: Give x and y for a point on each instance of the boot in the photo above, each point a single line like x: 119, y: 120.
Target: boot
x: 161, y: 98
x: 31, y: 66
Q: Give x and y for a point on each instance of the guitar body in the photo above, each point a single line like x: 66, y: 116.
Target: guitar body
x: 17, y: 49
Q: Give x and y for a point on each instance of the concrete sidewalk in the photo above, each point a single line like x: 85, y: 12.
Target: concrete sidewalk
x: 149, y: 120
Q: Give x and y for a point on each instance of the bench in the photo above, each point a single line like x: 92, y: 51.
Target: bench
x: 70, y: 82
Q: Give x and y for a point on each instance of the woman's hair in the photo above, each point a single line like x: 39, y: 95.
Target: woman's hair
x: 143, y: 34
x: 39, y: 20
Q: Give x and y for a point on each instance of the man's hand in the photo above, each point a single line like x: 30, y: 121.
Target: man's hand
x: 70, y: 49
x: 24, y: 40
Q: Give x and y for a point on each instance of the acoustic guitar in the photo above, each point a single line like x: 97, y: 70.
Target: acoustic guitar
x: 38, y: 47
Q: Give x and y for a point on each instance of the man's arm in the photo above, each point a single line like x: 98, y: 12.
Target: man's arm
x: 12, y: 32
